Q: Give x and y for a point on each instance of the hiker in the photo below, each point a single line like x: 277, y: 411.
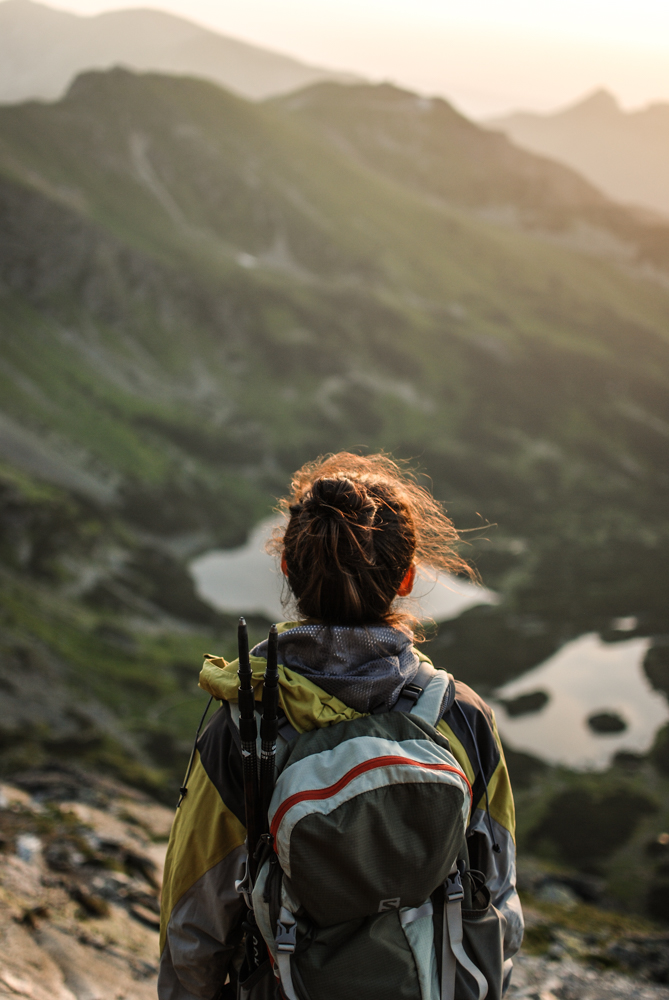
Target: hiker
x: 355, y: 530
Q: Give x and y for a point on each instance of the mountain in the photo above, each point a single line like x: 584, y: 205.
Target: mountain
x: 427, y: 146
x: 424, y: 143
x: 201, y: 292
x: 624, y: 153
x: 43, y: 49
x: 198, y: 293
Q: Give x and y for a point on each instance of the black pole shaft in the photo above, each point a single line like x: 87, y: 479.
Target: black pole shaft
x: 248, y: 732
x: 269, y: 726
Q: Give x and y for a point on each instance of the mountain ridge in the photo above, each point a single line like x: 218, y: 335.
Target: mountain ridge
x: 253, y: 238
x: 42, y: 49
x: 429, y: 147
x: 624, y: 153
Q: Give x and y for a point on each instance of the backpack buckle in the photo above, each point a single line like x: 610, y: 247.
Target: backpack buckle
x: 454, y: 889
x: 412, y: 692
x: 244, y: 886
x: 286, y: 932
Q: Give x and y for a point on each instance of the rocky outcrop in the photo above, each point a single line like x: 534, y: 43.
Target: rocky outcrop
x: 81, y: 862
x: 537, y: 978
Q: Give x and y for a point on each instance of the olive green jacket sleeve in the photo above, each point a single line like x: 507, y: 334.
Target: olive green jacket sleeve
x: 201, y: 911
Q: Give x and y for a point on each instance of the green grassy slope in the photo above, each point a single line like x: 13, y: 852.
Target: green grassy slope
x: 427, y: 146
x: 101, y: 637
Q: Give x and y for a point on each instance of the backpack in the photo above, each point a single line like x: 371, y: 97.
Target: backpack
x: 364, y: 888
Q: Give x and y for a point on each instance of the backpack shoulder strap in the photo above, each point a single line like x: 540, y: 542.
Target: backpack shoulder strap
x: 428, y: 696
x: 410, y: 694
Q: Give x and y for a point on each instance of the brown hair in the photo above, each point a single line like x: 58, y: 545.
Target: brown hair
x: 355, y: 526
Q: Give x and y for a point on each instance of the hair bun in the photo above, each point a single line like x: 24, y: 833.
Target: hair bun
x: 341, y: 495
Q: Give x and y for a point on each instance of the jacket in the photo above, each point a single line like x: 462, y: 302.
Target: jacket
x: 326, y: 676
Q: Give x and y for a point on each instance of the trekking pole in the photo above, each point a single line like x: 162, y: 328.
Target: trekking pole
x: 269, y: 726
x: 248, y: 732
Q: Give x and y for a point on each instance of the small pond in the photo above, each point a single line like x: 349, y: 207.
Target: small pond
x: 585, y: 679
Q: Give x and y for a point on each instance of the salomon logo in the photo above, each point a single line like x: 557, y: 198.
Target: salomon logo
x: 389, y: 904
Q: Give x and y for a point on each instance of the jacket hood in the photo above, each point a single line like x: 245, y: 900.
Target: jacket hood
x: 326, y: 673
x: 366, y: 667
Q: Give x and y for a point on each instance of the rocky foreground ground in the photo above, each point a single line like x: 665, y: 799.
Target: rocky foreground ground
x: 538, y: 978
x: 80, y: 868
x: 80, y: 874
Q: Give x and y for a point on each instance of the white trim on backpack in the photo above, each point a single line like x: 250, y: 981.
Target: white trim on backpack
x: 418, y: 927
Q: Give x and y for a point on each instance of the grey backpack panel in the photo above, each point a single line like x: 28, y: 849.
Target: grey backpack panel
x: 389, y: 725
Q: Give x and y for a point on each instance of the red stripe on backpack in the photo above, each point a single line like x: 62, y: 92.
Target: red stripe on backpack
x: 368, y: 765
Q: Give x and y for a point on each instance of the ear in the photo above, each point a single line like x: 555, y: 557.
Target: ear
x: 406, y: 586
x: 284, y: 565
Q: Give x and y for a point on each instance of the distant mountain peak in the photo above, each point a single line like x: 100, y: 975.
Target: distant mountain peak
x: 625, y: 153
x: 596, y: 104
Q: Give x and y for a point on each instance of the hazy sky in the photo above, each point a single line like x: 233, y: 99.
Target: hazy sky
x: 487, y: 55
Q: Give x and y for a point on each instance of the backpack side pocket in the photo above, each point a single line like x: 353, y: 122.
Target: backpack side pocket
x: 483, y: 939
x: 471, y: 956
x: 483, y: 929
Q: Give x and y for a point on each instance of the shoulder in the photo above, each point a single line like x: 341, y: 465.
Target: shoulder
x: 465, y: 697
x: 471, y: 722
x: 473, y: 704
x: 220, y: 755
